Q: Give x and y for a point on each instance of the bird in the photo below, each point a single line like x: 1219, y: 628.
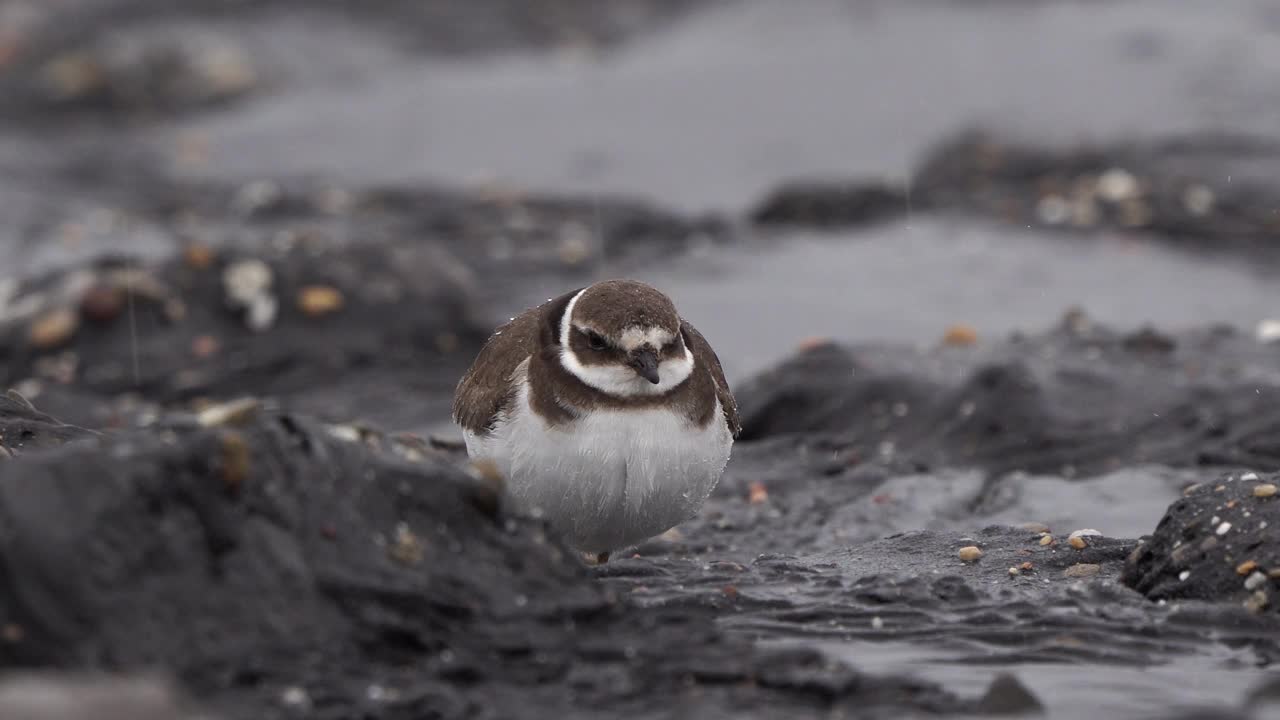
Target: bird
x: 606, y: 413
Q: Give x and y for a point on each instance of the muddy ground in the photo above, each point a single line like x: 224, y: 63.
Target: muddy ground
x: 234, y: 303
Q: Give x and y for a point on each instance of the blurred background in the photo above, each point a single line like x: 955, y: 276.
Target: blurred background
x: 855, y: 169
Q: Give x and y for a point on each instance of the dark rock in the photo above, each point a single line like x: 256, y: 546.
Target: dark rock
x: 1175, y: 189
x: 23, y: 428
x: 184, y: 338
x: 829, y: 205
x: 1008, y: 696
x: 1216, y: 543
x: 1079, y: 399
x: 156, y: 61
x: 283, y: 592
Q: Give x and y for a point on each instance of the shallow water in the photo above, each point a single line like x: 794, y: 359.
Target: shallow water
x: 908, y: 282
x: 696, y: 118
x: 1074, y: 691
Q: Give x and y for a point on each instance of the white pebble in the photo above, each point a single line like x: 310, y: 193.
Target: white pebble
x: 1224, y: 528
x: 1268, y: 331
x: 1116, y: 185
x: 1254, y: 581
x: 1198, y: 200
x: 877, y: 623
x: 1184, y: 575
x: 1249, y: 476
x: 294, y: 696
x: 1086, y: 532
x: 1053, y: 210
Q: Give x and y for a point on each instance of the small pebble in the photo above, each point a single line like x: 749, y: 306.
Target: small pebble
x: 1257, y: 602
x: 317, y: 300
x: 1026, y: 567
x: 1198, y: 199
x: 1182, y: 576
x: 1014, y: 572
x: 1077, y: 542
x: 810, y: 344
x: 235, y: 460
x: 1265, y: 490
x: 960, y: 336
x: 245, y: 279
x: 1117, y: 185
x: 198, y: 256
x: 757, y: 494
x: 405, y: 547
x: 1249, y: 476
x: 447, y: 342
x: 1224, y: 528
x: 970, y: 553
x: 233, y: 413
x: 202, y: 346
x: 1053, y: 210
x: 1082, y: 570
x: 1046, y: 540
x: 53, y: 329
x: 574, y: 248
x: 1035, y: 527
x: 1268, y: 331
x: 1255, y: 581
x: 262, y: 313
x: 102, y: 303
x: 1246, y: 567
x: 295, y: 696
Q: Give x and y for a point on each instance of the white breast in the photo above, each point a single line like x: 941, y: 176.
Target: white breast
x: 610, y: 479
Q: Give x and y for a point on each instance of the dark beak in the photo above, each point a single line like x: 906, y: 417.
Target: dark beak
x: 645, y: 362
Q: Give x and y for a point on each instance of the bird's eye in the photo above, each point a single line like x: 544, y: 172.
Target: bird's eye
x: 595, y: 341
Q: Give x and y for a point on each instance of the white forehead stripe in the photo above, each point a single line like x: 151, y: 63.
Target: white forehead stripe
x: 634, y: 337
x: 565, y: 322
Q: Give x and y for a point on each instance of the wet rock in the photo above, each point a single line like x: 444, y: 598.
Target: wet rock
x: 143, y: 72
x: 1008, y: 696
x: 1175, y: 189
x: 1078, y: 399
x: 218, y: 348
x: 341, y: 576
x: 1216, y: 543
x: 23, y: 428
x: 830, y: 205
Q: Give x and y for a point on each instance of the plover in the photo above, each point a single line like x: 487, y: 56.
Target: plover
x: 607, y: 414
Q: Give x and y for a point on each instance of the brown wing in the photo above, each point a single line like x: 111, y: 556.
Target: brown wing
x: 485, y: 391
x: 704, y: 356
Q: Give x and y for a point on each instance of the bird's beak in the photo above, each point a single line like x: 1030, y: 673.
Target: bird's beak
x: 645, y: 362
